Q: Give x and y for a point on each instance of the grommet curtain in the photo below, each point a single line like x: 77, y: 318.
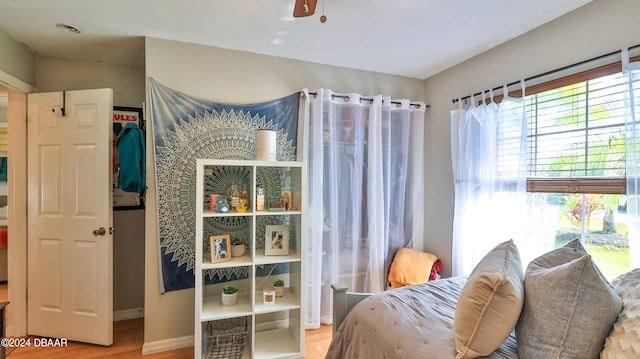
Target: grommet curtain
x: 365, y: 158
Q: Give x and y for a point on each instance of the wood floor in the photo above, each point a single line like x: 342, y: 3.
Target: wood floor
x: 317, y: 342
x: 128, y: 336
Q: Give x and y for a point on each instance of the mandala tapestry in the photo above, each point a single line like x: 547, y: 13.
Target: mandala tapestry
x: 186, y: 128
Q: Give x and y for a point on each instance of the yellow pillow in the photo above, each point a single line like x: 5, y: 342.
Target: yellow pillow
x: 410, y: 266
x: 490, y: 303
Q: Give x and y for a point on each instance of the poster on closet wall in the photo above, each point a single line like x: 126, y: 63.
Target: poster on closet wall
x: 185, y: 128
x: 123, y: 200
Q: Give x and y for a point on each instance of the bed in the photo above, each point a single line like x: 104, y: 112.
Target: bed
x: 419, y: 321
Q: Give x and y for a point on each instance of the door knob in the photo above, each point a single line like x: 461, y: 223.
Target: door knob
x: 99, y: 232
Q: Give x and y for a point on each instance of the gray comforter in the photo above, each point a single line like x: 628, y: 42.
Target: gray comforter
x: 409, y: 322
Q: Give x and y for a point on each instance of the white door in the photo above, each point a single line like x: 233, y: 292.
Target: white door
x: 70, y: 283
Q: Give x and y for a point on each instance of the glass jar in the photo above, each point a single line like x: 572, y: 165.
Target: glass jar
x: 259, y: 199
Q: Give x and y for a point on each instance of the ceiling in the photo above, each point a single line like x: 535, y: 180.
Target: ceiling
x: 413, y: 38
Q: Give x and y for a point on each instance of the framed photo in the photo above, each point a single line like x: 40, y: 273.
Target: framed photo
x: 220, y: 248
x: 276, y: 240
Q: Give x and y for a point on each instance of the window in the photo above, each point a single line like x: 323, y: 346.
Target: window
x: 576, y: 168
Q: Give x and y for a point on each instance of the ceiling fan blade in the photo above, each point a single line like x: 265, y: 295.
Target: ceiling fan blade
x: 304, y: 8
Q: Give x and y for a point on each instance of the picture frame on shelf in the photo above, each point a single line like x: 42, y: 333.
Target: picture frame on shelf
x: 220, y: 248
x: 276, y: 240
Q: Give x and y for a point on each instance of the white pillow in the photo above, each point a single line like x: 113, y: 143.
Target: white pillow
x: 624, y: 340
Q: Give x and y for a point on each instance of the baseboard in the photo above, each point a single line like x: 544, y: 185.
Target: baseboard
x: 127, y: 314
x: 9, y: 331
x: 167, y: 344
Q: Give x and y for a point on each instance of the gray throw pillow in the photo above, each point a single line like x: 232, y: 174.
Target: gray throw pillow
x: 569, y: 307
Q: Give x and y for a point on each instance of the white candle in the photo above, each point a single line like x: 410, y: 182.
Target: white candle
x: 269, y: 296
x: 265, y: 145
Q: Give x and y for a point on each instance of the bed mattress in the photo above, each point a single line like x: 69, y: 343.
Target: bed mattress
x: 409, y: 322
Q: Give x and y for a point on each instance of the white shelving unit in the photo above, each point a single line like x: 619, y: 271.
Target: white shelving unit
x: 273, y: 331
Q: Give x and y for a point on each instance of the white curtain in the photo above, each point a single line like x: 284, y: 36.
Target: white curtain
x: 631, y: 73
x: 488, y: 152
x: 365, y: 191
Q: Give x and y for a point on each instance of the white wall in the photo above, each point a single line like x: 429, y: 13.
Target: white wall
x: 233, y: 77
x: 595, y: 29
x: 127, y: 82
x: 16, y: 60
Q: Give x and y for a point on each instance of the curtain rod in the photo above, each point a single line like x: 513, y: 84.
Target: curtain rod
x: 551, y: 72
x: 367, y: 99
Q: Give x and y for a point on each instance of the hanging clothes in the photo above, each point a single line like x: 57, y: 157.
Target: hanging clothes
x: 4, y: 238
x: 3, y: 169
x: 131, y: 151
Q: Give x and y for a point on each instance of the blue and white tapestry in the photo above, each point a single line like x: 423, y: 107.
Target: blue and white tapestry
x: 186, y: 128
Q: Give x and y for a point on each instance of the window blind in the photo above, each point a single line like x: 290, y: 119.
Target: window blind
x: 577, y: 130
x: 575, y: 138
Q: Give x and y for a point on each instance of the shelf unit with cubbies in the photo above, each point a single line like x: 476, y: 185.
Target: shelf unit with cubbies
x: 270, y: 330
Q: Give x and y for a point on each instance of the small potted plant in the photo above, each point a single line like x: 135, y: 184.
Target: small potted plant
x: 229, y: 295
x: 278, y: 284
x: 237, y: 247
